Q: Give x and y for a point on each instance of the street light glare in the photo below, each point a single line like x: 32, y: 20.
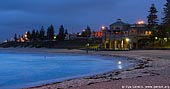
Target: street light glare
x: 127, y: 39
x: 55, y: 37
x: 141, y: 22
x: 103, y: 27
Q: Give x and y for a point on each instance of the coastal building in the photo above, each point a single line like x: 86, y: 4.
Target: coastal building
x: 97, y: 34
x: 116, y: 38
x: 139, y: 35
x: 124, y: 36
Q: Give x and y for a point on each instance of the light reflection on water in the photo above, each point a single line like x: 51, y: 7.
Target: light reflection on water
x: 20, y: 70
x: 120, y: 65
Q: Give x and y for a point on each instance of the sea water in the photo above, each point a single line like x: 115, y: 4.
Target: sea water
x: 18, y: 70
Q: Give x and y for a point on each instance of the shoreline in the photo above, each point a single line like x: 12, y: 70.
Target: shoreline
x: 152, y: 63
x: 91, y: 76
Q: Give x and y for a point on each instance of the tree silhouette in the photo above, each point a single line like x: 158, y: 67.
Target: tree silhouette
x: 152, y: 18
x: 50, y: 33
x: 152, y: 22
x: 33, y: 35
x: 37, y: 34
x: 15, y: 37
x: 86, y: 32
x: 61, y: 34
x: 66, y: 32
x: 28, y: 35
x: 166, y: 18
x: 42, y: 33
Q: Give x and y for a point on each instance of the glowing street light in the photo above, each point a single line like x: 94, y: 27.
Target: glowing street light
x: 156, y: 38
x: 127, y: 39
x: 103, y: 27
x: 55, y: 37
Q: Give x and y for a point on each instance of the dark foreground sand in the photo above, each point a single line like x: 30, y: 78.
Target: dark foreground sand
x: 152, y: 71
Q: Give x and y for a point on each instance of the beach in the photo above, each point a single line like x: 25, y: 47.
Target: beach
x: 151, y: 72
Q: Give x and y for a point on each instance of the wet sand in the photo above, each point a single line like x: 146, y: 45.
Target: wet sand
x: 151, y: 72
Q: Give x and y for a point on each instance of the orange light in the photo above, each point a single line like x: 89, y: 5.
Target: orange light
x: 25, y: 35
x: 141, y: 22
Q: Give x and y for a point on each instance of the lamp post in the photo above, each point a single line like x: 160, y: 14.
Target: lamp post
x: 128, y: 43
x: 104, y: 31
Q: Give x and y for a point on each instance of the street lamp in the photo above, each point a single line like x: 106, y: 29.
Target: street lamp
x: 104, y: 31
x: 156, y: 38
x: 103, y: 27
x: 127, y: 39
x: 128, y: 43
x: 55, y: 37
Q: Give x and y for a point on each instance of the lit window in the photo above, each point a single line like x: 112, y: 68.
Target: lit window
x: 146, y: 32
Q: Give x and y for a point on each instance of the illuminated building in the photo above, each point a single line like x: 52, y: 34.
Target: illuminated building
x: 124, y: 36
x: 97, y: 34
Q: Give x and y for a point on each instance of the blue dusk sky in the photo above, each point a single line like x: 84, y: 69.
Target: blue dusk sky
x: 19, y: 16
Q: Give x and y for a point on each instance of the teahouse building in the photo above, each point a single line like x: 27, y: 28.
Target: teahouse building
x: 124, y: 36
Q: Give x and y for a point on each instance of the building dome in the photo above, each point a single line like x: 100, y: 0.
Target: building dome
x: 118, y: 23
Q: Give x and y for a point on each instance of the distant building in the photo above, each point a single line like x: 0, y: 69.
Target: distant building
x: 97, y: 34
x: 67, y: 37
x: 124, y: 36
x: 71, y: 36
x: 115, y: 37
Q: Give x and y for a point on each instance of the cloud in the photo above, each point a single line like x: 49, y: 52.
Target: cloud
x: 53, y: 6
x: 19, y: 15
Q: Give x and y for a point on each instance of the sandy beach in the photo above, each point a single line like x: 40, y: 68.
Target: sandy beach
x: 151, y: 72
